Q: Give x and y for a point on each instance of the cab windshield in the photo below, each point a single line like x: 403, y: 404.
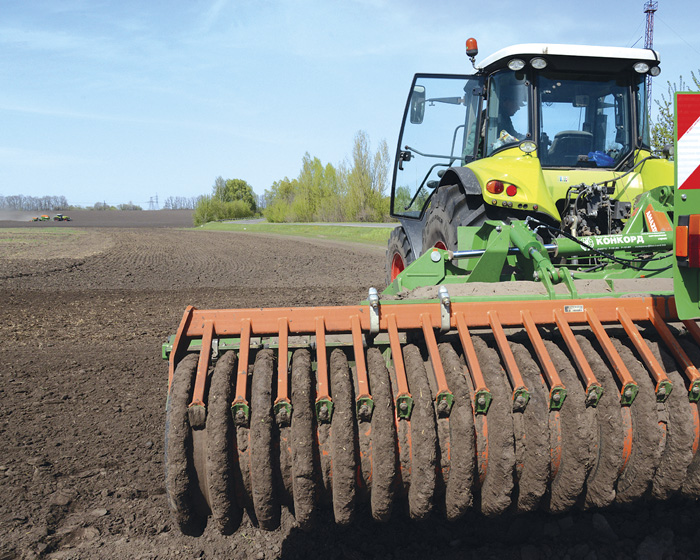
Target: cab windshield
x: 584, y: 121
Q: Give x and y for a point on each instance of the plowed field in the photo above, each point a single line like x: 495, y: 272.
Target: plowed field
x: 82, y: 394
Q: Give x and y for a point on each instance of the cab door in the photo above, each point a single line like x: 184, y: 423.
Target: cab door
x: 441, y: 128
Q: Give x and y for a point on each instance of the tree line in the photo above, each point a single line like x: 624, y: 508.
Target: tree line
x: 34, y: 203
x: 180, y: 203
x: 353, y: 191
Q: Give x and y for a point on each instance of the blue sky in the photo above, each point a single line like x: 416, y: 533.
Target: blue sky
x: 123, y: 101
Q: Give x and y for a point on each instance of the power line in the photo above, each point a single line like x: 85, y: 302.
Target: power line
x: 679, y: 36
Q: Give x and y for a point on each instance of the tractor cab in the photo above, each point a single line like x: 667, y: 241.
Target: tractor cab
x: 560, y: 132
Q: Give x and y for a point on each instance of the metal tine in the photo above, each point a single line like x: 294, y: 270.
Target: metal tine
x: 364, y: 401
x: 196, y: 410
x: 594, y: 390
x: 179, y: 338
x: 681, y: 357
x: 557, y: 391
x: 404, y: 401
x: 663, y: 383
x: 444, y: 397
x: 629, y: 385
x: 324, y: 403
x: 283, y: 406
x: 239, y: 408
x: 693, y: 329
x: 521, y: 394
x: 482, y: 394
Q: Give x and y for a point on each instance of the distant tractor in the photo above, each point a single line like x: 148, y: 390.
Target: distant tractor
x: 61, y: 218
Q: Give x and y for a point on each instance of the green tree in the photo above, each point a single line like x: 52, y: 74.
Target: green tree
x: 235, y: 189
x: 278, y: 200
x: 366, y: 180
x: 211, y: 209
x: 662, y: 130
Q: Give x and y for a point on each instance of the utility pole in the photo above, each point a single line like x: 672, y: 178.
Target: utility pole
x: 649, y: 8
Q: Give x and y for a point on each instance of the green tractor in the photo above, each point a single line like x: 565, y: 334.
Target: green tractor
x: 556, y: 133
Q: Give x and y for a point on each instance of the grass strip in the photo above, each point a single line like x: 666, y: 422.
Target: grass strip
x: 369, y: 235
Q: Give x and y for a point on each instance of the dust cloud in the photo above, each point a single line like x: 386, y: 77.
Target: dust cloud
x: 17, y: 215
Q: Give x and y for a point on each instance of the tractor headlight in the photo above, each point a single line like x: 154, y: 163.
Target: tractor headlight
x: 516, y: 64
x: 528, y: 146
x: 655, y: 71
x: 538, y: 63
x: 641, y: 67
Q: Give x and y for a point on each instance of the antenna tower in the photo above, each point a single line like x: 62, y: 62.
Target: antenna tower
x: 649, y: 8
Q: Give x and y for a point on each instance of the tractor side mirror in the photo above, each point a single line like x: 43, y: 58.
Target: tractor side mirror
x: 417, y: 104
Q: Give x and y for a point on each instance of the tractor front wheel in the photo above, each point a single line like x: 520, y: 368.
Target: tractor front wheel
x: 398, y: 254
x: 450, y: 208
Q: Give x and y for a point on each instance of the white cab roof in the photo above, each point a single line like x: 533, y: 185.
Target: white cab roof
x: 556, y: 50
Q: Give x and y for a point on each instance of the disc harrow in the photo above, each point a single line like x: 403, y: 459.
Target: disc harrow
x: 429, y: 408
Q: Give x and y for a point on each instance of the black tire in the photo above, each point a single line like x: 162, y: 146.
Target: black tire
x: 450, y: 208
x: 398, y: 254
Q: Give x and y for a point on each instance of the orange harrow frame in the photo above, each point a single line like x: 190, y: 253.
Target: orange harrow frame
x: 391, y: 318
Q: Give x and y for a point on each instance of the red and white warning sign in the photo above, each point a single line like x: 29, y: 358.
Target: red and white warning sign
x: 688, y: 140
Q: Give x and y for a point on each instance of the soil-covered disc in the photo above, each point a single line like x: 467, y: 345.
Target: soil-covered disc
x: 634, y: 481
x: 226, y: 513
x: 459, y: 495
x: 180, y: 476
x: 531, y: 429
x: 343, y: 439
x: 423, y: 436
x: 497, y: 485
x: 383, y: 443
x: 577, y: 436
x: 303, y: 433
x: 608, y: 433
x: 680, y: 430
x: 262, y: 478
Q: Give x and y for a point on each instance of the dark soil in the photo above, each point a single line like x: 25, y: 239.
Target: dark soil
x: 83, y: 392
x: 101, y: 219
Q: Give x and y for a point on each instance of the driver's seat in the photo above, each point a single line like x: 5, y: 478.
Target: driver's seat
x: 568, y: 145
